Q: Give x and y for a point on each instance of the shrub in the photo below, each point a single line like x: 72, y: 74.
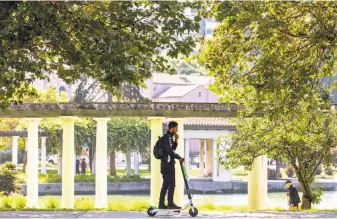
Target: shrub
x: 140, y: 206
x: 52, y: 203
x: 18, y: 201
x: 290, y: 171
x: 9, y: 179
x: 84, y: 204
x: 6, y: 202
x: 117, y: 206
x: 208, y: 206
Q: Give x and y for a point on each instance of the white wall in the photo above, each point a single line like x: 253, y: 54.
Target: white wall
x: 206, y: 96
x: 204, y: 134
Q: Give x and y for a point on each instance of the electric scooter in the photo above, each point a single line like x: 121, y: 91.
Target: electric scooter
x: 152, y: 211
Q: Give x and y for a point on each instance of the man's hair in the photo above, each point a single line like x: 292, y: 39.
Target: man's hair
x: 172, y: 124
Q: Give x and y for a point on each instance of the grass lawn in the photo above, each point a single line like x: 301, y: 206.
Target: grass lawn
x: 119, y: 203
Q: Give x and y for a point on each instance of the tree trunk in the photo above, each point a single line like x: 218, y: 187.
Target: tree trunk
x: 306, y: 202
x: 278, y: 168
x: 91, y: 157
x: 128, y: 162
x: 305, y: 187
x: 25, y: 158
x: 94, y: 164
x: 136, y: 163
x: 113, y: 163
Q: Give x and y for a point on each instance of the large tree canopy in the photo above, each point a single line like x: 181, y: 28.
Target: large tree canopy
x: 272, y: 55
x: 305, y: 139
x: 112, y: 42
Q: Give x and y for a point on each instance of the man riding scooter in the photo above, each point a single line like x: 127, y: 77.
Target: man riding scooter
x: 167, y: 166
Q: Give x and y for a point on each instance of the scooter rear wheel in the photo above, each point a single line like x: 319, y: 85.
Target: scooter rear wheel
x: 150, y: 213
x: 193, y: 213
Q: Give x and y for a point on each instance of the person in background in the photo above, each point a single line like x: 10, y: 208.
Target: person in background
x: 83, y: 166
x: 294, y: 198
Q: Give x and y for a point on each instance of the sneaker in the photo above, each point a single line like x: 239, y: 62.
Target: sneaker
x: 173, y: 207
x: 162, y: 206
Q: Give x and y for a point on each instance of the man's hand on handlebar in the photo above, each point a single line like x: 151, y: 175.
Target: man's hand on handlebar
x: 182, y: 159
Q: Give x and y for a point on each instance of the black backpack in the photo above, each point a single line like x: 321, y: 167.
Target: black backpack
x: 158, y: 149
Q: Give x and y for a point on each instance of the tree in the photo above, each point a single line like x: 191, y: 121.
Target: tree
x: 127, y: 135
x: 271, y: 55
x: 187, y: 67
x: 131, y: 93
x: 88, y: 91
x: 306, y: 140
x: 112, y: 42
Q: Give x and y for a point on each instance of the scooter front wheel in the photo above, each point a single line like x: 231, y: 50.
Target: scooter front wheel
x: 193, y: 213
x: 150, y: 213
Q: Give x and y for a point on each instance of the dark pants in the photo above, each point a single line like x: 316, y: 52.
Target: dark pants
x: 169, y: 183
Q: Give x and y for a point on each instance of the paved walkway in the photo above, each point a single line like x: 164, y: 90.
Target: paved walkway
x: 93, y: 214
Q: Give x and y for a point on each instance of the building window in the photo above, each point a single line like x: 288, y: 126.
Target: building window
x: 155, y: 88
x: 199, y: 94
x: 210, y: 31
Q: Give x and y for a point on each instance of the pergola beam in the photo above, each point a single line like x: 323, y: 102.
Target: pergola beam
x: 44, y: 110
x: 21, y: 133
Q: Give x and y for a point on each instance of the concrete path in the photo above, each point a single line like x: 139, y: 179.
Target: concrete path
x: 93, y: 214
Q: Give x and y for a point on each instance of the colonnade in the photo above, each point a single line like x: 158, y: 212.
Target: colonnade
x: 257, y: 186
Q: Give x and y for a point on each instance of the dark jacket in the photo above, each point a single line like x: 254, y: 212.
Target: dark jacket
x: 293, y: 196
x: 169, y: 147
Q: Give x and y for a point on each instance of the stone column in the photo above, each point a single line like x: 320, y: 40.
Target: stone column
x: 156, y: 124
x: 101, y: 196
x: 43, y: 155
x: 68, y: 158
x: 136, y: 163
x: 201, y: 156
x: 215, y: 160
x: 32, y: 169
x: 15, y: 150
x: 258, y: 184
x: 209, y: 157
x: 187, y: 155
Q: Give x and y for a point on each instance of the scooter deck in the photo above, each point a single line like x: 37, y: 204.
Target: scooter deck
x: 155, y: 209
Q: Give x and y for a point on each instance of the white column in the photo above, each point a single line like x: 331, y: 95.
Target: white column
x: 209, y: 157
x: 205, y: 157
x: 215, y: 161
x: 258, y: 184
x: 201, y: 158
x: 187, y: 155
x: 156, y: 124
x: 15, y: 150
x: 32, y: 170
x: 136, y: 163
x: 101, y: 196
x: 43, y: 155
x: 68, y: 158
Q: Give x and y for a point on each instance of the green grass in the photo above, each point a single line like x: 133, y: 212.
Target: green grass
x: 194, y: 172
x: 239, y: 172
x: 118, y: 203
x: 47, y: 164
